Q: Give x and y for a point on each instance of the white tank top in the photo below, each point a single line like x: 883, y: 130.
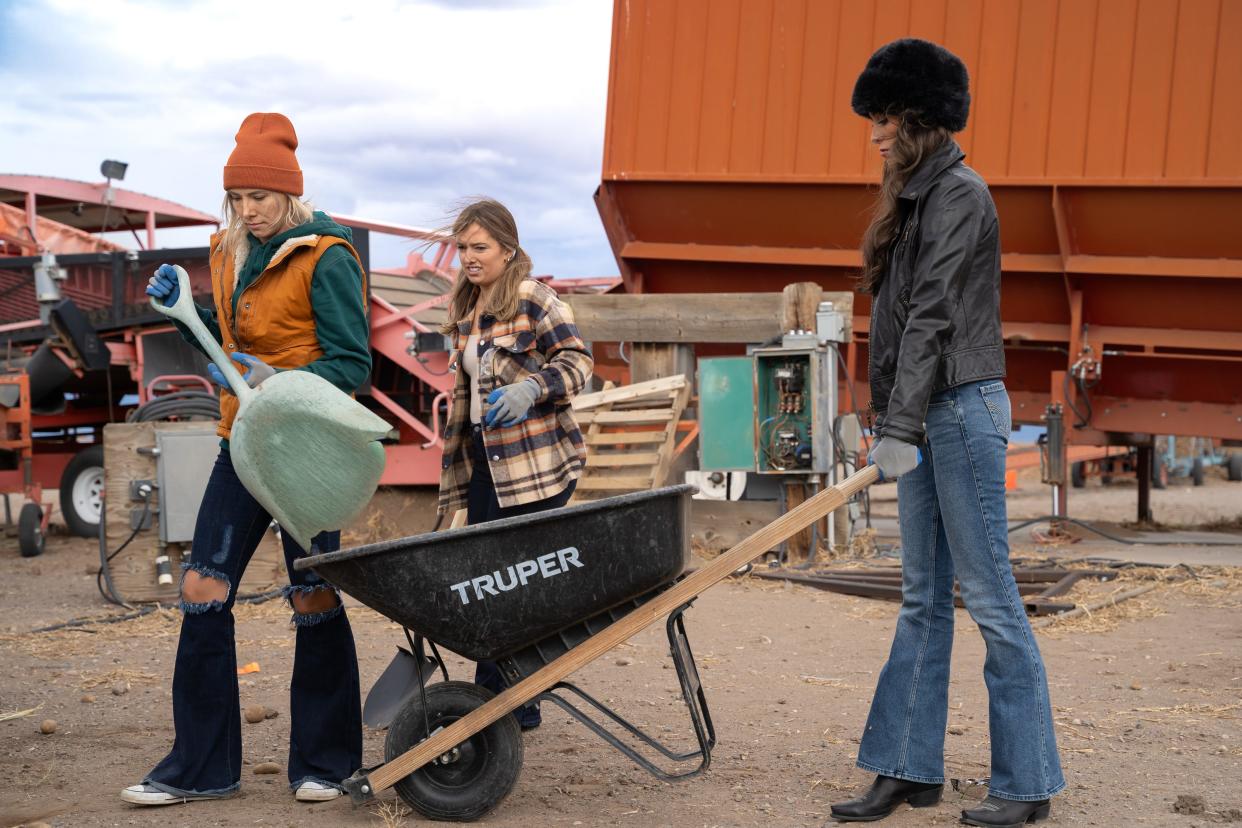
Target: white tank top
x: 470, y: 362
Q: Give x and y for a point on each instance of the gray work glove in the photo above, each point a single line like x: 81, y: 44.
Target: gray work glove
x: 895, y: 457
x: 511, y: 404
x: 256, y: 371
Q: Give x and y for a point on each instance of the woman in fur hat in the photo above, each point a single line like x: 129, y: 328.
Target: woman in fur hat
x: 931, y: 262
x: 290, y: 295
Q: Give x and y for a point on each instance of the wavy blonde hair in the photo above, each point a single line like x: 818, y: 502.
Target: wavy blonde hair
x: 496, y: 219
x: 914, y: 143
x: 297, y: 212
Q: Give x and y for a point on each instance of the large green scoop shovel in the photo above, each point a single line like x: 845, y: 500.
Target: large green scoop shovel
x: 303, y: 448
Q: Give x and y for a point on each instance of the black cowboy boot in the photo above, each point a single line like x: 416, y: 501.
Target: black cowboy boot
x: 1006, y: 813
x: 885, y: 794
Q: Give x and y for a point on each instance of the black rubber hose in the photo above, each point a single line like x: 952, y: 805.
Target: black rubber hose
x: 256, y: 598
x: 181, y: 404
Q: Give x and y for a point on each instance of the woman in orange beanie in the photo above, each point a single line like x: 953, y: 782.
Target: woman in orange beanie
x: 289, y: 295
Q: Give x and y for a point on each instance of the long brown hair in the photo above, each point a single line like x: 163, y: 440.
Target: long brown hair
x: 496, y: 219
x: 914, y: 143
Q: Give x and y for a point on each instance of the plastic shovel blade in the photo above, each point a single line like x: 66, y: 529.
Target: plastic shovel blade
x: 399, y: 681
x: 308, y: 453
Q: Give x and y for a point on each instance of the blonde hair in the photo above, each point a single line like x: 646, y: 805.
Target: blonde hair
x: 502, y: 303
x: 297, y: 212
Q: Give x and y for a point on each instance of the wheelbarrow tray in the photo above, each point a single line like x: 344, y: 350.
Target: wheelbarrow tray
x: 489, y: 590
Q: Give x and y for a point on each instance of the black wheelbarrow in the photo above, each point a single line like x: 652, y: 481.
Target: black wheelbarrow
x: 541, y: 595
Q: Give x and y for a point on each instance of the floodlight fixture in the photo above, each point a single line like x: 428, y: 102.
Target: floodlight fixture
x: 113, y: 169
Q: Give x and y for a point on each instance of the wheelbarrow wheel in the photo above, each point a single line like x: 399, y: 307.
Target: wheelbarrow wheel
x: 472, y: 779
x: 30, y: 530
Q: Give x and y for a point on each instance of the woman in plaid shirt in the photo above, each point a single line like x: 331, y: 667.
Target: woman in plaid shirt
x: 511, y: 445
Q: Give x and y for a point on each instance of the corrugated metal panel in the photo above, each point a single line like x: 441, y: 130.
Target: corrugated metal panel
x: 1066, y: 91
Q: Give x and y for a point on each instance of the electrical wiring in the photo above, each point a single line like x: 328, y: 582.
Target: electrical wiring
x: 1084, y: 420
x: 104, y: 575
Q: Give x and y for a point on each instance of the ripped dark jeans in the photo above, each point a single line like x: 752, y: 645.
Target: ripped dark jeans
x: 325, y: 718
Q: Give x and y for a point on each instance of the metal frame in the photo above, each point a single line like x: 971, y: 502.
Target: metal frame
x: 1038, y: 586
x: 16, y: 435
x: 691, y: 691
x: 108, y: 289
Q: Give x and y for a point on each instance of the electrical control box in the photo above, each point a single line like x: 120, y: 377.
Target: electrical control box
x: 184, y: 462
x: 795, y: 400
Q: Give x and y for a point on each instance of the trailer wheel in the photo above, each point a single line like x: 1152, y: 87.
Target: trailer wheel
x: 472, y: 779
x: 1196, y: 471
x: 81, y: 492
x: 30, y: 538
x: 1078, y: 475
x: 1235, y: 466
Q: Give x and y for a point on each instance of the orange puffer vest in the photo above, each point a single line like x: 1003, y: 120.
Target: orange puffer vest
x: 275, y: 321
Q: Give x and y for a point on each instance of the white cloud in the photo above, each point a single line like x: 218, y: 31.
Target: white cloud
x: 400, y: 107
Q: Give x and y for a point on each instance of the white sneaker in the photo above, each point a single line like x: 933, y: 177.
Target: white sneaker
x: 312, y: 791
x: 151, y: 795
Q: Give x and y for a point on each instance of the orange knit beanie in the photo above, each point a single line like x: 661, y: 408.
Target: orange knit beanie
x: 264, y: 156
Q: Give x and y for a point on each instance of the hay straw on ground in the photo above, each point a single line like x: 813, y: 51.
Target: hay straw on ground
x: 1105, y: 619
x: 378, y: 527
x: 1206, y: 586
x: 18, y: 714
x: 391, y: 813
x: 113, y: 676
x: 836, y: 683
x: 1192, y: 712
x: 89, y: 640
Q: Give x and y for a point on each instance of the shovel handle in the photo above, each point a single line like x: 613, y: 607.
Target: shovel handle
x: 183, y: 311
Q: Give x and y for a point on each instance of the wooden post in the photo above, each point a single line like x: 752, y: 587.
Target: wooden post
x: 657, y: 360
x: 800, y: 301
x: 798, y: 547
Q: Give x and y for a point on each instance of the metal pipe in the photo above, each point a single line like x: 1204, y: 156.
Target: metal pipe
x: 435, y: 417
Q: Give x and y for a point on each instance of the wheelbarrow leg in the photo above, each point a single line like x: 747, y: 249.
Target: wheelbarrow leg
x: 692, y: 693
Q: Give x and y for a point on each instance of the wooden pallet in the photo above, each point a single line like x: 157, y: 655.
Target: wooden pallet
x: 630, y: 432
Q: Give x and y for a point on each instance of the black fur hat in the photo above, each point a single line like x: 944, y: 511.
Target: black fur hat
x: 912, y: 75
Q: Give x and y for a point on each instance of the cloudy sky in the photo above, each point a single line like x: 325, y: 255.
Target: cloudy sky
x: 401, y: 108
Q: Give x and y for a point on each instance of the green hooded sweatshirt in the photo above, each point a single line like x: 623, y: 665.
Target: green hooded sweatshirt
x: 336, y: 300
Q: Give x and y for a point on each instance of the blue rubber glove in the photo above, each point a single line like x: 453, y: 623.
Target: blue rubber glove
x: 511, y: 404
x: 895, y: 457
x: 164, y: 285
x: 256, y: 371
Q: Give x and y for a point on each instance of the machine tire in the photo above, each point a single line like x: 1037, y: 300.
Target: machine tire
x: 1235, y: 466
x: 1078, y: 475
x: 30, y: 538
x: 1196, y: 471
x: 81, y: 492
x: 484, y: 772
x: 1159, y: 472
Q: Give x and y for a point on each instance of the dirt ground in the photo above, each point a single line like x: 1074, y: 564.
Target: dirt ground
x: 1147, y: 696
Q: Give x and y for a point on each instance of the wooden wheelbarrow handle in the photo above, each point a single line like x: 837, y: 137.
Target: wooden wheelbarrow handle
x: 784, y: 527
